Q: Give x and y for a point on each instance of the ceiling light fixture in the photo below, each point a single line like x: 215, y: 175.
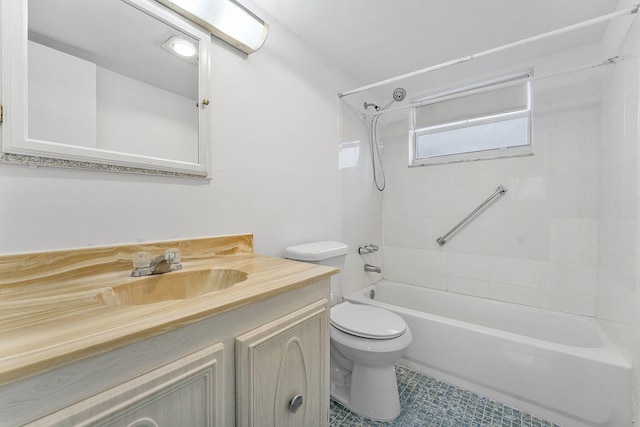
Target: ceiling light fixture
x: 182, y: 48
x: 226, y: 19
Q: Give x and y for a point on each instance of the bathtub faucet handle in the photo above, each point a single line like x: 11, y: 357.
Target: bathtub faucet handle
x: 367, y: 249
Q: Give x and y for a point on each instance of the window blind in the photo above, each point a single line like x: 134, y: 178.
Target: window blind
x: 488, y: 103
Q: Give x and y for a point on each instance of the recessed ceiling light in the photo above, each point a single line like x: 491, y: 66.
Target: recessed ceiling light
x: 182, y: 47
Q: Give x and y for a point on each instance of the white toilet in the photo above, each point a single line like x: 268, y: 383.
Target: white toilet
x: 365, y: 342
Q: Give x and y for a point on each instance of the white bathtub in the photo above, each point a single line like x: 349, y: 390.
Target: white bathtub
x: 560, y: 367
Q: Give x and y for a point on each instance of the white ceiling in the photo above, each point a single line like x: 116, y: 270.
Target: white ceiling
x: 374, y: 40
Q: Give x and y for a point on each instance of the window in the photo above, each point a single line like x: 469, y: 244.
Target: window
x: 487, y: 120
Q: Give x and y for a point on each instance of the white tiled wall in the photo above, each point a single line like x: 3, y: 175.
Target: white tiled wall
x: 536, y: 245
x: 618, y: 290
x: 361, y: 201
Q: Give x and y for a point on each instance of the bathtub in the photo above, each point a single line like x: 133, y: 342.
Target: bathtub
x: 557, y: 366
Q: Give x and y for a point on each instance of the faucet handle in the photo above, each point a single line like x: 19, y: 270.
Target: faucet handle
x: 172, y: 255
x: 367, y: 249
x: 141, y: 259
x: 141, y: 264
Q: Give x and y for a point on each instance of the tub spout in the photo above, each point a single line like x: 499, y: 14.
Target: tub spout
x: 372, y: 268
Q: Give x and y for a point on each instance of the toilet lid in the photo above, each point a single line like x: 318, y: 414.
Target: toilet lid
x: 367, y: 321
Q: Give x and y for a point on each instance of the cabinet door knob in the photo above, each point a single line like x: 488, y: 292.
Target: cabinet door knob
x: 295, y: 403
x: 205, y: 101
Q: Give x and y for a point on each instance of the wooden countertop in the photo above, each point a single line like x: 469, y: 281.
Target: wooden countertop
x: 51, y: 314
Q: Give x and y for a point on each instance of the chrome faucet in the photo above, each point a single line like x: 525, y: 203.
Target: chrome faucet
x: 143, y: 266
x: 372, y: 268
x: 363, y: 250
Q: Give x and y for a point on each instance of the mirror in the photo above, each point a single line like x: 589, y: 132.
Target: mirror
x: 97, y: 82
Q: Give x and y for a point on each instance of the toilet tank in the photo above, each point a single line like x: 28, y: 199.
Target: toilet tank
x: 328, y: 253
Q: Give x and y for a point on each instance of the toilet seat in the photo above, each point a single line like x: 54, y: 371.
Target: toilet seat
x: 366, y: 321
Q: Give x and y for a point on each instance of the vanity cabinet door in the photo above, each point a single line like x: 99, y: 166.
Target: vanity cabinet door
x: 187, y: 392
x: 282, y: 371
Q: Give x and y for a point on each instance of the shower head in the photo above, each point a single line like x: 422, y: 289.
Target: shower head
x: 399, y: 94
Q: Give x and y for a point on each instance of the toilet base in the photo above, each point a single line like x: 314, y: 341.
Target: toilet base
x: 371, y: 392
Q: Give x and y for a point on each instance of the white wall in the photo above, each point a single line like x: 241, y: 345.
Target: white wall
x: 61, y: 97
x: 537, y: 244
x: 618, y: 304
x: 361, y: 201
x: 275, y: 168
x: 138, y: 118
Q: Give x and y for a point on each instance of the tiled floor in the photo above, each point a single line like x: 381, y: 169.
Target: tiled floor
x: 428, y: 402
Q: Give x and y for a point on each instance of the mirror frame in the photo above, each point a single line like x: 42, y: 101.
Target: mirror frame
x: 18, y: 148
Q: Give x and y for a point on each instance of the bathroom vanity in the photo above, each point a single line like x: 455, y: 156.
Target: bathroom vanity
x: 253, y: 353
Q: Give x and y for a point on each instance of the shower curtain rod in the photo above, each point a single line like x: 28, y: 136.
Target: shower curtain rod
x: 603, y: 18
x: 437, y: 98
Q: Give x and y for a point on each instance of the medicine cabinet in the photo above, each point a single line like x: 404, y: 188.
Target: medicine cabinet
x: 95, y: 84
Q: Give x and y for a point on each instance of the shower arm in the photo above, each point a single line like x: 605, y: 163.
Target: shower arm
x: 499, y: 192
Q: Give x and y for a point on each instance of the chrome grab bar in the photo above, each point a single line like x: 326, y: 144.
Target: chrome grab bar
x: 500, y: 190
